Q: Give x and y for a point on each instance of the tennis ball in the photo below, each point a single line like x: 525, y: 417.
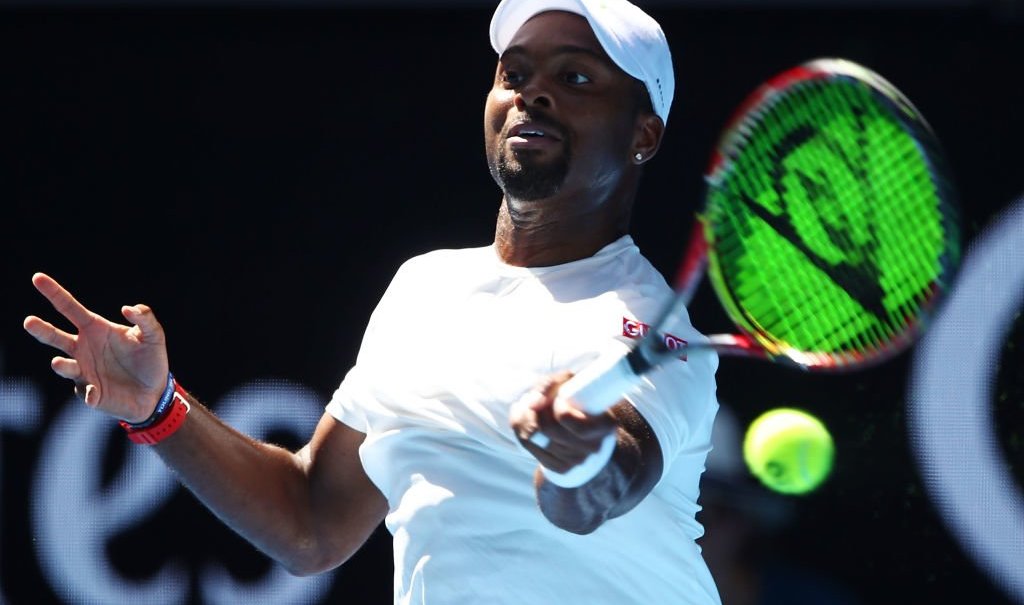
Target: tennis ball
x: 788, y: 450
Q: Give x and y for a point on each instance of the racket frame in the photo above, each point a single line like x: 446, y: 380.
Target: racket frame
x: 749, y: 341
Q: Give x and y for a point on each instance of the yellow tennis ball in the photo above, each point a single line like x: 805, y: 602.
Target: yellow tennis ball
x: 788, y: 450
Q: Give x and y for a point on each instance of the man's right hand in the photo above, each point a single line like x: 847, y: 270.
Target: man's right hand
x: 119, y: 369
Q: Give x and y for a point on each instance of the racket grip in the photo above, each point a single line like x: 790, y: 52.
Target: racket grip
x: 587, y: 470
x: 601, y: 384
x: 596, y: 388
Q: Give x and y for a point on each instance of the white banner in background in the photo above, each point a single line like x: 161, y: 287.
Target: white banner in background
x: 21, y: 407
x: 74, y: 516
x: 950, y: 405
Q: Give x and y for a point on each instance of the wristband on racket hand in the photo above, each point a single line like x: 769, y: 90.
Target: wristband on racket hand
x: 167, y: 418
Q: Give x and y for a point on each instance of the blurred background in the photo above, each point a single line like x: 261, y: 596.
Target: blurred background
x: 256, y: 171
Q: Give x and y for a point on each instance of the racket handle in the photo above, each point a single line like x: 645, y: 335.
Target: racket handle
x: 601, y: 384
x: 596, y: 388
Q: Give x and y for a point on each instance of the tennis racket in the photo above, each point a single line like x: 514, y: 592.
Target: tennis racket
x: 829, y: 231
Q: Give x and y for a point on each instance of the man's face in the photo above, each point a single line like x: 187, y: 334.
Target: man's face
x: 560, y: 116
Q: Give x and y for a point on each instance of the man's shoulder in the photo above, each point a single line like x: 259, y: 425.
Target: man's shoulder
x: 442, y: 264
x: 447, y: 258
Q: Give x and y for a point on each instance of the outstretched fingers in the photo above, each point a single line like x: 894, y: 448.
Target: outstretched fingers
x: 62, y: 300
x: 113, y: 366
x: 143, y: 317
x: 49, y: 334
x: 66, y: 368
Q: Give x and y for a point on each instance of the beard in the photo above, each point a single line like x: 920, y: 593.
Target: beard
x: 524, y: 178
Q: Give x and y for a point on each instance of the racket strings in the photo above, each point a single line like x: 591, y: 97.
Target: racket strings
x: 799, y: 316
x: 914, y: 287
x: 827, y: 225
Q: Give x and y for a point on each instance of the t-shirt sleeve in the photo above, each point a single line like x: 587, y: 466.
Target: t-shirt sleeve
x: 344, y: 403
x: 678, y: 400
x: 349, y: 402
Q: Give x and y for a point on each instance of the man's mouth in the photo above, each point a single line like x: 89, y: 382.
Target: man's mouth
x: 531, y: 135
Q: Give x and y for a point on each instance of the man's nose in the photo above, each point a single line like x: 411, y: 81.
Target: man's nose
x: 534, y: 94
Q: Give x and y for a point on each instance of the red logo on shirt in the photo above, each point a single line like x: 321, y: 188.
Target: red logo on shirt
x: 632, y: 328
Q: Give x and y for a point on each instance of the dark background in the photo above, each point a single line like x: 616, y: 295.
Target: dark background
x: 257, y: 174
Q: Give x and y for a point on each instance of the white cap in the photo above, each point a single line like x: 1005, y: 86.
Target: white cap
x: 631, y: 37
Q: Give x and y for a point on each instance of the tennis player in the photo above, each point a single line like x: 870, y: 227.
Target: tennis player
x: 441, y: 446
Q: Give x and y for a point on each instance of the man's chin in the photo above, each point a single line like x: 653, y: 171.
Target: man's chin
x: 530, y: 190
x: 533, y: 181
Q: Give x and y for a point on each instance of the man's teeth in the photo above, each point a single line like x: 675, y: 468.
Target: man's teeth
x: 531, y: 133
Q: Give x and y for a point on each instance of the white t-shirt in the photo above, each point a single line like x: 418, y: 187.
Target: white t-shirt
x: 457, y: 338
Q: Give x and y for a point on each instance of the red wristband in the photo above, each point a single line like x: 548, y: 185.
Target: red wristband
x: 165, y: 426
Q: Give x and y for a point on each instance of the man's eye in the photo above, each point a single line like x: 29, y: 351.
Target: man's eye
x: 575, y: 77
x: 511, y: 77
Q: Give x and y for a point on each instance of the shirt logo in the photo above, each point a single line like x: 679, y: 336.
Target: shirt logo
x: 632, y: 328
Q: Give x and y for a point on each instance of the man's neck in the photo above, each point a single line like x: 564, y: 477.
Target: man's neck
x: 528, y: 242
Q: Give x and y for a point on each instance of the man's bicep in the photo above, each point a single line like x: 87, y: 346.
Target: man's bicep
x: 346, y: 505
x: 678, y: 402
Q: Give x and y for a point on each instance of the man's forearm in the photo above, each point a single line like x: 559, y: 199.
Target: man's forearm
x: 257, y: 489
x: 632, y: 471
x: 309, y: 510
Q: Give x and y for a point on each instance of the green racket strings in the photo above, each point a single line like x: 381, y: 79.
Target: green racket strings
x: 828, y: 229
